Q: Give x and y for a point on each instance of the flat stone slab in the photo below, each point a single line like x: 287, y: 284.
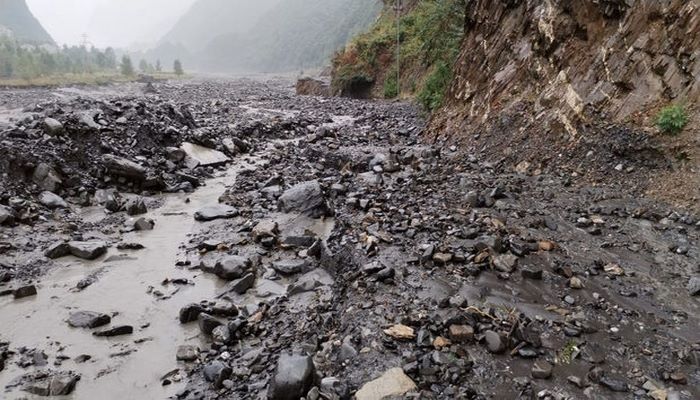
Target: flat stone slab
x: 201, y: 156
x: 218, y: 211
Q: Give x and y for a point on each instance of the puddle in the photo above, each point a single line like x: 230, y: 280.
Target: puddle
x: 130, y: 366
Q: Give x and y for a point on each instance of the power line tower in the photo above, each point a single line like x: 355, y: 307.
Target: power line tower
x: 398, y: 7
x: 85, y: 42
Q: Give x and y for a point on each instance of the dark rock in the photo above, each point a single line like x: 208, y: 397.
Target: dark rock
x: 242, y: 285
x: 218, y: 211
x: 52, y: 384
x: 216, y: 372
x: 122, y: 167
x: 24, y: 291
x: 46, y: 178
x: 293, y: 378
x: 289, y: 267
x: 57, y: 250
x: 7, y: 215
x: 232, y: 267
x: 207, y: 323
x: 115, y: 331
x: 87, y: 250
x: 494, y: 342
x: 144, y: 224
x: 136, y: 206
x: 190, y: 312
x: 614, y: 384
x: 88, y: 319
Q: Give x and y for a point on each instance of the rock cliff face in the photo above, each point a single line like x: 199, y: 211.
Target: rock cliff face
x: 543, y: 82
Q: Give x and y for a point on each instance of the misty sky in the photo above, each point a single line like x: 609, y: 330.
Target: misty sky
x: 117, y: 23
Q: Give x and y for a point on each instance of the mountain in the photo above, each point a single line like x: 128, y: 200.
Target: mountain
x: 207, y: 19
x: 16, y: 16
x: 294, y: 34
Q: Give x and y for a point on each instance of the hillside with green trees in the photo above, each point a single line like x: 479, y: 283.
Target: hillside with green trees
x: 429, y: 33
x: 22, y: 61
x: 16, y: 17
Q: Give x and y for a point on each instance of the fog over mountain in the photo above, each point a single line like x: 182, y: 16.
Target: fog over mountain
x: 16, y: 18
x: 115, y: 23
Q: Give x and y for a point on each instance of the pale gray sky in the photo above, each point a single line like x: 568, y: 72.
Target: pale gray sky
x: 117, y: 23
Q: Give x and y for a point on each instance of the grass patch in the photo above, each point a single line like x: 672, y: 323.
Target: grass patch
x: 391, y: 87
x: 77, y: 79
x: 433, y: 92
x: 672, y: 119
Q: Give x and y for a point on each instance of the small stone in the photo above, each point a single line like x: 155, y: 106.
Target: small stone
x: 505, y: 263
x: 242, y: 285
x: 144, y: 224
x: 88, y: 319
x: 541, y: 370
x: 186, y: 353
x: 190, y: 313
x: 575, y: 283
x: 207, y: 323
x: 87, y: 250
x: 394, y: 383
x: 613, y: 383
x: 115, y: 331
x: 218, y: 211
x: 289, y: 267
x: 443, y: 258
x: 494, y: 342
x: 400, y: 332
x: 216, y: 372
x: 461, y: 333
x: 136, y: 206
x: 694, y: 286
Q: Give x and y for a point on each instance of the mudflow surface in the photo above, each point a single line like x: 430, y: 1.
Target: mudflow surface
x: 229, y: 239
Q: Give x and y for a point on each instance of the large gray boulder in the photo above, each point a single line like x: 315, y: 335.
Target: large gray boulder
x: 218, y: 211
x: 7, y: 215
x: 305, y: 198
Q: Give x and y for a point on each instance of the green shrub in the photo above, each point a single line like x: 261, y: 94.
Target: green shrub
x: 391, y: 87
x: 672, y: 119
x: 435, y: 86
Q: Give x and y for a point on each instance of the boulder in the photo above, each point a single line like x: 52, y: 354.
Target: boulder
x: 52, y: 127
x: 7, y: 215
x: 46, y: 178
x: 88, y: 250
x: 136, y: 206
x: 232, y: 267
x: 216, y: 372
x: 293, y: 377
x: 119, y: 166
x: 305, y: 198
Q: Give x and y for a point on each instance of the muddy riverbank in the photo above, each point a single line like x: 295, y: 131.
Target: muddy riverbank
x: 244, y: 242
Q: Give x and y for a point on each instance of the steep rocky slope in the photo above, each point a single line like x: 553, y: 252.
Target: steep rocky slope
x: 16, y: 16
x: 576, y: 87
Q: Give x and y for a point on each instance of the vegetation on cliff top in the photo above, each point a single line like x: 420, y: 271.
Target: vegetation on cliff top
x: 430, y: 34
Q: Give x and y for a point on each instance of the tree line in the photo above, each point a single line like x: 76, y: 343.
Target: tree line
x: 26, y: 61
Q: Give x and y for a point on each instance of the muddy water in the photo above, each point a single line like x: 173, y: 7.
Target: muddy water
x: 128, y: 366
